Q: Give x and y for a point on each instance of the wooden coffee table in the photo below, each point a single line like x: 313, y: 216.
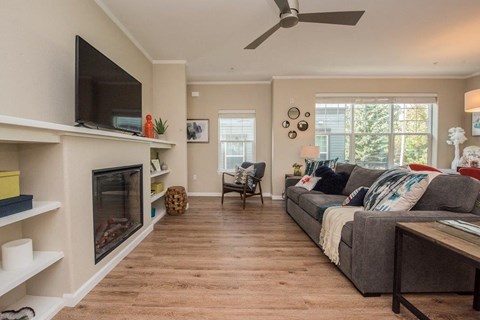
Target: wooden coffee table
x: 425, y: 231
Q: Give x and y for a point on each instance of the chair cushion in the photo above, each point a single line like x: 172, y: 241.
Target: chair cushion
x: 242, y: 175
x: 315, y: 204
x: 235, y: 187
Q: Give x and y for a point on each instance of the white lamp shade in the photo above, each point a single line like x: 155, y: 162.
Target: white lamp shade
x: 310, y: 152
x: 472, y: 101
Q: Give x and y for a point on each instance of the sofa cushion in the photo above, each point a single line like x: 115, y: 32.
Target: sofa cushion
x: 451, y: 193
x: 347, y: 233
x: 396, y: 190
x: 308, y: 182
x: 356, y: 197
x: 315, y: 204
x: 330, y: 182
x: 311, y: 165
x: 294, y: 193
x: 361, y: 177
x: 344, y: 167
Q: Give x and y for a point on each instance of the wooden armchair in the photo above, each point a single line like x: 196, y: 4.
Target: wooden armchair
x: 243, y: 189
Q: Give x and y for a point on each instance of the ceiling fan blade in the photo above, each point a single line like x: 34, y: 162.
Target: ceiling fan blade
x: 283, y: 5
x: 263, y: 37
x: 349, y: 18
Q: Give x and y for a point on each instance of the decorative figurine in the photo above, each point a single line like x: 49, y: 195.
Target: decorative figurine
x: 456, y: 137
x: 148, y: 127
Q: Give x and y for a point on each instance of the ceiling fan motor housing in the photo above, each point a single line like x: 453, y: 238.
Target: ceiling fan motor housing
x: 290, y: 19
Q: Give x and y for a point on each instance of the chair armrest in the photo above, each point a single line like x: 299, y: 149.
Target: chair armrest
x: 223, y: 176
x: 373, y: 243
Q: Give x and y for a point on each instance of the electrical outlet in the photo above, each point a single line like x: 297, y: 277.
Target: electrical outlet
x: 194, y: 177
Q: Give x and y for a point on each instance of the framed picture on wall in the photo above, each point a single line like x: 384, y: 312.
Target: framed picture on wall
x: 476, y: 124
x: 197, y: 130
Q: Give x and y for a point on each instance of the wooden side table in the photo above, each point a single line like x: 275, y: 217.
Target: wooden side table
x: 426, y: 232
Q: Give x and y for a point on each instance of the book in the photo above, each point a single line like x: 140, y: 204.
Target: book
x: 461, y: 229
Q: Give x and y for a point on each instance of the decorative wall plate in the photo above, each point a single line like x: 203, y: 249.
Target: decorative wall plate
x: 292, y: 134
x: 307, y: 114
x: 286, y: 124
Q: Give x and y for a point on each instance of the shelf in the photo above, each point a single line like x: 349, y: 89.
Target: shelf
x: 160, y: 213
x: 158, y: 173
x: 157, y: 196
x: 39, y: 207
x: 45, y: 307
x: 41, y: 261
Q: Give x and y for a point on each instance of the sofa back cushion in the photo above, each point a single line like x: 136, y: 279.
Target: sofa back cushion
x: 451, y: 193
x: 361, y: 177
x: 344, y: 167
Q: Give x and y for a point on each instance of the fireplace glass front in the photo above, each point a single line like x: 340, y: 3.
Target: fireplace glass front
x: 117, y: 207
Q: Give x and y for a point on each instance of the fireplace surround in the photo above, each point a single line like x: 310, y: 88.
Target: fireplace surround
x: 117, y: 207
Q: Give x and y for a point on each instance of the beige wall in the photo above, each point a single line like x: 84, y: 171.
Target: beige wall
x: 203, y: 157
x: 302, y: 92
x: 170, y: 103
x: 37, y: 56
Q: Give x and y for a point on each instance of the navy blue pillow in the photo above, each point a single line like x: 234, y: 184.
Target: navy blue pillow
x: 356, y: 197
x: 331, y: 182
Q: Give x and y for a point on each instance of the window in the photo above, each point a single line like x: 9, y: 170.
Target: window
x: 374, y: 132
x: 236, y: 138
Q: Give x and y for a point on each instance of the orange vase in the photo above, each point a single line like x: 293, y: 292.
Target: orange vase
x: 148, y: 127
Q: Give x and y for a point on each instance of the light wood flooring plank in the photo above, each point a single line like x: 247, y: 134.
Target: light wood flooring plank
x: 219, y: 262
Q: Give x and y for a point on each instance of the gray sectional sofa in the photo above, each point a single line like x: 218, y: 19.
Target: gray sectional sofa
x: 367, y: 243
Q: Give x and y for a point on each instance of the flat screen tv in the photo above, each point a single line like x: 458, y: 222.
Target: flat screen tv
x: 106, y: 96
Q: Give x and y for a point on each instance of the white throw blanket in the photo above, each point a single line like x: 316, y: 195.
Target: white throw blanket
x: 333, y: 221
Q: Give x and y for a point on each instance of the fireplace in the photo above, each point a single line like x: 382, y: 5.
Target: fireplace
x: 117, y: 207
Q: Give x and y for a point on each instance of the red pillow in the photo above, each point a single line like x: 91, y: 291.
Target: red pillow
x: 421, y: 167
x: 471, y: 172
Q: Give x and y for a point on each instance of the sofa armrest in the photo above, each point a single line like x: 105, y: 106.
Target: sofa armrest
x: 291, y: 181
x: 373, y: 244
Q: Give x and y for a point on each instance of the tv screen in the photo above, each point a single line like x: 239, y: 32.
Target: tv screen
x: 106, y: 96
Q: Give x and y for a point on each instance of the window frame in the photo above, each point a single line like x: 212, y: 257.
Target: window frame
x: 235, y: 114
x: 391, y: 134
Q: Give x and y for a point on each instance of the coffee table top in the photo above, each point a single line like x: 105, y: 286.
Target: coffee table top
x: 427, y: 231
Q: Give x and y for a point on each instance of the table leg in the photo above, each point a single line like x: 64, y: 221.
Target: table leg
x: 476, y: 291
x: 397, y: 270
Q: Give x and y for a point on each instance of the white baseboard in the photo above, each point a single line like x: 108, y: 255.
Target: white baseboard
x: 218, y: 194
x: 277, y: 197
x: 71, y: 299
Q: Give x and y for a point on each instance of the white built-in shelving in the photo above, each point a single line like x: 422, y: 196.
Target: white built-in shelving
x: 39, y: 207
x: 159, y: 214
x: 41, y: 261
x: 157, y: 196
x: 154, y: 174
x: 45, y: 307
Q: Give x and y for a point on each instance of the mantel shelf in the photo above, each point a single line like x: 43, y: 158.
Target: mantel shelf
x: 39, y: 207
x: 41, y: 261
x: 158, y: 173
x: 19, y: 130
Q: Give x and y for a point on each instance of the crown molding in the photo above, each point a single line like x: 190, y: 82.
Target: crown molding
x: 169, y: 61
x: 227, y: 82
x: 367, y: 77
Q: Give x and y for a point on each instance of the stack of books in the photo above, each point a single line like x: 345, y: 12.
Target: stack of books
x: 461, y: 229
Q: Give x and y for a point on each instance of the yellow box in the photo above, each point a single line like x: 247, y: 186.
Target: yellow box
x: 156, y: 187
x: 9, y: 184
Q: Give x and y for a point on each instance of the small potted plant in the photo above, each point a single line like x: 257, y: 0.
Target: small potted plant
x: 296, y: 169
x: 160, y: 128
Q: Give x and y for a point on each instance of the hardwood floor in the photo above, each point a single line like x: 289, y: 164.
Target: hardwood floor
x: 219, y: 262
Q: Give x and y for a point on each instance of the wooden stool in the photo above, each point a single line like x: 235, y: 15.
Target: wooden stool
x: 176, y: 200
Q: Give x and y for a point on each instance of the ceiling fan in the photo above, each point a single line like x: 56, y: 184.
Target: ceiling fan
x: 289, y: 17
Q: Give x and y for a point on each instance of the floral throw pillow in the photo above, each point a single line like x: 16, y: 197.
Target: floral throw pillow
x: 308, y: 182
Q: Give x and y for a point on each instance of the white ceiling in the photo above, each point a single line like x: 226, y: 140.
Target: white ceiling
x: 421, y: 38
